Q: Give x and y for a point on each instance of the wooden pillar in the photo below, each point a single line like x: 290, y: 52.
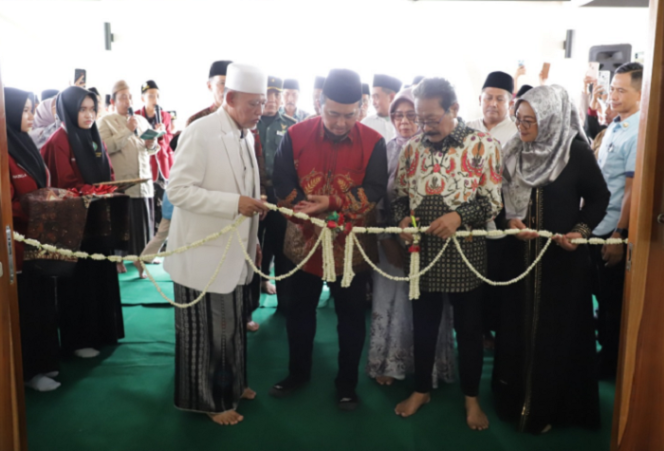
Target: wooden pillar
x: 12, y: 406
x: 638, y: 422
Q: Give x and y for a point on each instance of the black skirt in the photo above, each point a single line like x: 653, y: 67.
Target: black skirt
x: 89, y: 302
x: 38, y: 314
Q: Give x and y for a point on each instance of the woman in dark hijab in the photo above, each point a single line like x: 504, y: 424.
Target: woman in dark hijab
x: 75, y: 154
x: 544, y: 371
x: 37, y: 308
x: 90, y: 309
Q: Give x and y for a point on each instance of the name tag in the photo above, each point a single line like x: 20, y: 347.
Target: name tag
x: 19, y: 176
x: 281, y: 133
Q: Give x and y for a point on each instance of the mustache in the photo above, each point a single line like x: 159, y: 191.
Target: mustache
x: 431, y: 133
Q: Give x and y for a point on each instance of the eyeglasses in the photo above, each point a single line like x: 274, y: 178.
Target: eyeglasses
x: 429, y: 122
x: 412, y: 117
x: 526, y: 123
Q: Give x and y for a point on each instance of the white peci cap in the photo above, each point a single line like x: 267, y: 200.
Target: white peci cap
x: 246, y: 78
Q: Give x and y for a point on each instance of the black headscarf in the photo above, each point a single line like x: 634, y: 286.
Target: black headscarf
x: 86, y: 144
x: 21, y: 147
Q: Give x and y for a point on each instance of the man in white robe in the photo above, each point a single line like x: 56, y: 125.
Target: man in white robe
x: 213, y: 181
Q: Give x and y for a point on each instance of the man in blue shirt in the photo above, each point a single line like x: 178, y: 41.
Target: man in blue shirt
x: 617, y: 159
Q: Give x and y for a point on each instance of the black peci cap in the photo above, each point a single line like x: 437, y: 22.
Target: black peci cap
x: 499, y: 80
x: 524, y: 89
x: 418, y: 79
x: 387, y: 82
x: 219, y: 68
x: 365, y: 89
x: 343, y: 86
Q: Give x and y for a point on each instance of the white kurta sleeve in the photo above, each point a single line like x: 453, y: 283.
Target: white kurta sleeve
x: 184, y: 186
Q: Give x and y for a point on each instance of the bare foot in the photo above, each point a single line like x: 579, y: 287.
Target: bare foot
x: 475, y: 416
x: 248, y: 394
x: 121, y: 267
x: 139, y: 265
x: 411, y: 405
x: 253, y: 326
x: 268, y: 288
x: 384, y: 380
x: 228, y: 418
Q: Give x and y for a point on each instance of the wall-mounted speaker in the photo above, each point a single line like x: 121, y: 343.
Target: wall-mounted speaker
x: 611, y: 57
x: 108, y: 36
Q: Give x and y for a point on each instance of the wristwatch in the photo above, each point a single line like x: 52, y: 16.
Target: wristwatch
x: 622, y: 232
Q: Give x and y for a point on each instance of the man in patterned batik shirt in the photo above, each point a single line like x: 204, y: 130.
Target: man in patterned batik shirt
x: 449, y: 179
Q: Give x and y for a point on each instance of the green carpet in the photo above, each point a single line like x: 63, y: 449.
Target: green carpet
x: 123, y: 400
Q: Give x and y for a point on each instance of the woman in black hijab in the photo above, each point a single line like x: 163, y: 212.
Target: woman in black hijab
x: 75, y: 154
x: 37, y: 308
x: 90, y: 309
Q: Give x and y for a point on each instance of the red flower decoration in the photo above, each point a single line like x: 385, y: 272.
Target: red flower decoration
x: 91, y: 190
x: 412, y: 249
x: 341, y: 219
x: 331, y: 225
x: 436, y: 167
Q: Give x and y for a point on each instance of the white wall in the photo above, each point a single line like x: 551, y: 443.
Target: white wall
x: 174, y: 41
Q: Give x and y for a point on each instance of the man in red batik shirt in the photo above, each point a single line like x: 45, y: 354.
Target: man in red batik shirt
x: 329, y: 164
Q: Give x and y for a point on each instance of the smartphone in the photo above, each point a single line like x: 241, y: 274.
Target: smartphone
x: 78, y: 73
x: 593, y: 70
x: 521, y: 63
x: 545, y: 70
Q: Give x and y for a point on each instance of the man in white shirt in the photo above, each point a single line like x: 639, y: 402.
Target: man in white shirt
x: 496, y: 100
x: 366, y: 100
x: 384, y: 90
x: 213, y: 181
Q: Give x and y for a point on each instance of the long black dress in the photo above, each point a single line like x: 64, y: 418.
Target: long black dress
x: 544, y: 369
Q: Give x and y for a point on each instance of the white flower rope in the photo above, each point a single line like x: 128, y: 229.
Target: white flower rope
x: 509, y: 282
x: 283, y: 276
x: 326, y: 240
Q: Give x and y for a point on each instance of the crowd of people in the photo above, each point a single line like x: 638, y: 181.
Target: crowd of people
x: 533, y: 161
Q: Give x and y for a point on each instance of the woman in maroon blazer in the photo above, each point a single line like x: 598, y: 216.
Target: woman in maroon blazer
x: 37, y: 308
x: 89, y: 302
